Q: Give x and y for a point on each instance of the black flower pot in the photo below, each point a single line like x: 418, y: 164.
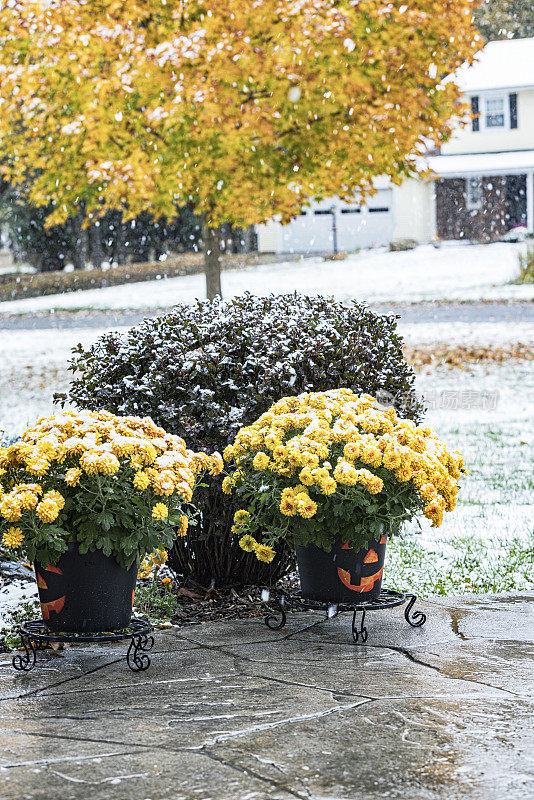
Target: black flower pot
x: 85, y: 593
x: 342, y: 575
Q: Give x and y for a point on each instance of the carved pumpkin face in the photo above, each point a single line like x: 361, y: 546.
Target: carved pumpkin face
x: 371, y: 570
x: 45, y: 584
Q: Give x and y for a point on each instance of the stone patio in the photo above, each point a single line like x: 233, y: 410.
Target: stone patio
x: 233, y: 711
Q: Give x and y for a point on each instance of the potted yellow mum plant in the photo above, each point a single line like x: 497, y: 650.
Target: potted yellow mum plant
x: 86, y: 495
x: 335, y: 474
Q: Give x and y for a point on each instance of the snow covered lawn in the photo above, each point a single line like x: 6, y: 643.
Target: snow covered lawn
x: 488, y: 334
x: 486, y: 413
x: 487, y: 543
x: 461, y: 272
x: 34, y: 366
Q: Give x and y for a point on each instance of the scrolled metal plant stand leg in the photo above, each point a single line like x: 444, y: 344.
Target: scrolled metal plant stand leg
x: 136, y: 657
x: 359, y: 632
x: 416, y: 619
x: 24, y: 662
x: 271, y: 619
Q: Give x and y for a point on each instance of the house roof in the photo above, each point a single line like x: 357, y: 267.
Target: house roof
x: 484, y: 164
x: 507, y: 64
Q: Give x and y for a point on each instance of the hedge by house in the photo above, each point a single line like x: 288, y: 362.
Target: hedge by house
x: 20, y: 286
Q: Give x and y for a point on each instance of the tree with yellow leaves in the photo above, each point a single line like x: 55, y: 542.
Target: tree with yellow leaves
x: 245, y: 109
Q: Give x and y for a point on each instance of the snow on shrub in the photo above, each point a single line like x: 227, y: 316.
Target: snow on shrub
x: 205, y: 370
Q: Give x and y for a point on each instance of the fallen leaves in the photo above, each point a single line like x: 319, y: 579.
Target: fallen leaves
x: 193, y: 609
x: 440, y: 354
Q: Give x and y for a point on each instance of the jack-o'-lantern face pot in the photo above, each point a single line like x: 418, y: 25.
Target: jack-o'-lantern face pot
x: 343, y: 575
x: 85, y: 593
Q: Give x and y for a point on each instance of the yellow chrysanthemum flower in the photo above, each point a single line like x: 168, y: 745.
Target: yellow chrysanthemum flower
x: 47, y: 510
x: 404, y: 474
x: 346, y: 474
x: 108, y: 464
x: 370, y: 454
x: 306, y: 507
x: 55, y: 497
x: 306, y: 477
x: 160, y: 511
x: 13, y: 538
x: 227, y: 485
x: 184, y: 525
x: 288, y: 505
x: 141, y: 481
x: 38, y: 466
x: 248, y: 543
x: 164, y: 483
x: 28, y: 500
x: 261, y: 461
x: 10, y: 509
x: 264, y: 553
x: 328, y: 486
x: 136, y: 462
x: 392, y: 459
x: 185, y: 492
x: 228, y: 453
x: 72, y: 476
x: 217, y: 464
x: 89, y: 462
x: 146, y: 453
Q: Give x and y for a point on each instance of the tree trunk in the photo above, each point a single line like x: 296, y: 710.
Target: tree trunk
x: 81, y: 242
x: 120, y: 239
x: 95, y: 240
x: 212, y: 260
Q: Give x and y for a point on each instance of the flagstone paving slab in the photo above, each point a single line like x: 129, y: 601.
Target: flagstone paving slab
x: 232, y: 710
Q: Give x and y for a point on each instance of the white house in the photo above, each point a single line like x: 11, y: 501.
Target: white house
x: 484, y: 183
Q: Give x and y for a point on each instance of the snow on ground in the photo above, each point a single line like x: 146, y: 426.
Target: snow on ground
x: 486, y: 413
x: 12, y: 594
x: 456, y: 272
x: 34, y: 366
x: 467, y: 333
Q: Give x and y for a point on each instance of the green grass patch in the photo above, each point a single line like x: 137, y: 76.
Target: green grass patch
x: 155, y: 602
x: 460, y: 566
x: 24, y: 612
x: 526, y: 266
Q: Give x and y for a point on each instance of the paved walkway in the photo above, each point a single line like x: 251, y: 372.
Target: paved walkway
x: 232, y: 711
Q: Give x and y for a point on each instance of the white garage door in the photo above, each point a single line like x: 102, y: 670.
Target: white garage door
x: 356, y: 227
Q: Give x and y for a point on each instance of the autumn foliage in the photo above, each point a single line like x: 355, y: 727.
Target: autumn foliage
x: 244, y: 108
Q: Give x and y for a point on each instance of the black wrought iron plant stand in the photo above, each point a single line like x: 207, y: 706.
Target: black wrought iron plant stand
x: 284, y: 602
x: 35, y: 636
